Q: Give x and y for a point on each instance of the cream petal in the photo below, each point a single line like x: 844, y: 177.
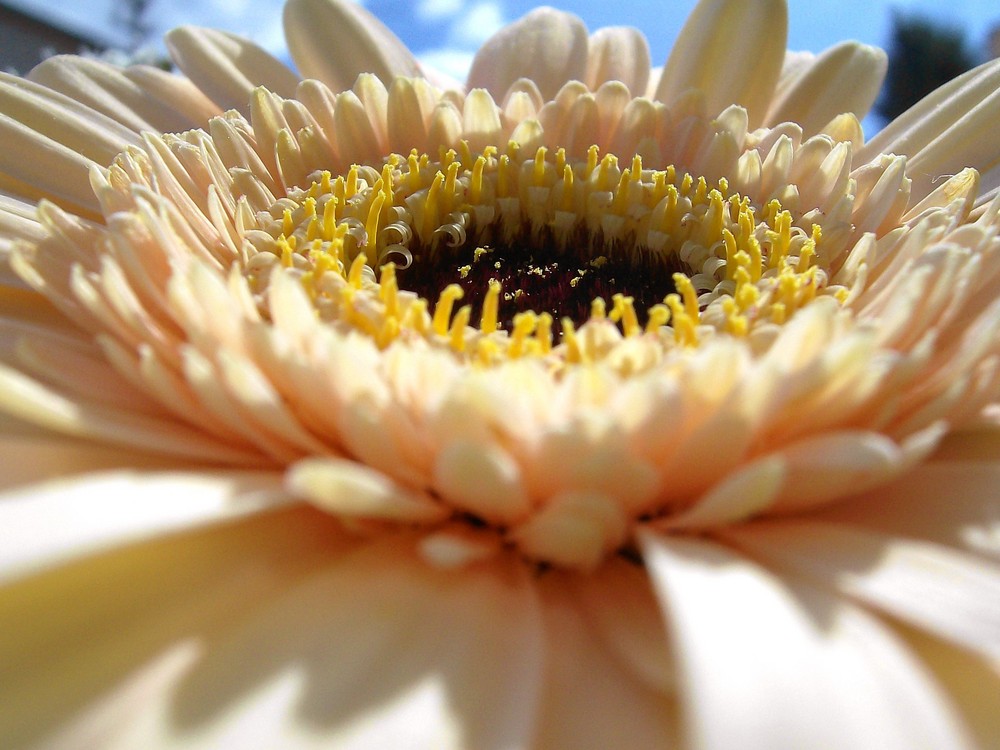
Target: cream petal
x: 32, y: 454
x: 481, y: 124
x: 844, y: 78
x: 787, y: 666
x: 746, y: 492
x: 731, y: 50
x: 227, y: 67
x: 548, y: 46
x: 973, y: 684
x: 175, y: 91
x: 50, y: 523
x: 590, y: 701
x: 948, y: 502
x: 143, y: 101
x: 795, y: 65
x: 952, y: 595
x: 408, y: 113
x: 66, y: 139
x: 618, y: 53
x: 17, y: 222
x: 95, y: 652
x: 34, y: 402
x: 483, y: 479
x: 618, y: 601
x: 346, y: 488
x: 64, y: 119
x: 337, y: 40
x: 821, y: 468
x: 948, y: 130
x: 377, y: 649
x: 977, y: 443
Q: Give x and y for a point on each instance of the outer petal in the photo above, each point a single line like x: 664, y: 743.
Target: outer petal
x: 92, y: 650
x: 228, y: 67
x: 139, y: 98
x: 547, y: 46
x: 972, y: 684
x: 272, y: 632
x: 65, y: 139
x: 955, y: 596
x: 47, y: 524
x: 618, y: 53
x: 590, y: 700
x: 732, y: 50
x: 954, y: 504
x: 946, y: 131
x: 844, y: 78
x: 337, y: 40
x: 785, y: 666
x: 617, y: 599
x: 17, y: 222
x: 64, y: 413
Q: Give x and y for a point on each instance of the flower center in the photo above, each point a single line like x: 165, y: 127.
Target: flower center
x: 524, y: 241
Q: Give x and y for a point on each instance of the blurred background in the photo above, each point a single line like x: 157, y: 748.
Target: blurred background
x: 928, y: 41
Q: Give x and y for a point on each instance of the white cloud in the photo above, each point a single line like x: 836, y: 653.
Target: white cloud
x: 477, y: 25
x: 230, y: 8
x: 435, y: 10
x: 448, y: 60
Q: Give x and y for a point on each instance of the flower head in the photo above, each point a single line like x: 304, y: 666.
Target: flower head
x: 575, y: 338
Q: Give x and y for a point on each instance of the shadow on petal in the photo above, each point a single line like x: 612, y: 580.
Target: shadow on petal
x: 290, y: 632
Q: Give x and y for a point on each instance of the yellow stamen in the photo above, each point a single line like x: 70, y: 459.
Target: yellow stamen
x: 442, y: 311
x: 524, y: 326
x: 566, y: 203
x: 598, y: 310
x: 457, y: 333
x: 476, y: 183
x: 491, y: 308
x: 623, y: 310
x: 389, y: 289
x: 574, y: 354
x: 374, y: 214
x: 356, y: 274
x: 538, y: 176
x: 543, y: 333
x: 683, y: 285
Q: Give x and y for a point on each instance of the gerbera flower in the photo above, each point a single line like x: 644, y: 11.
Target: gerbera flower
x: 586, y: 405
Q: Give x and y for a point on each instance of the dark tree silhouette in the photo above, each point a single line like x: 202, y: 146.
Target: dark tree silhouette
x: 131, y: 14
x: 922, y: 55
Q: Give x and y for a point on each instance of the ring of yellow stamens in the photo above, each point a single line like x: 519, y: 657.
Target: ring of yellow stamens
x: 348, y: 237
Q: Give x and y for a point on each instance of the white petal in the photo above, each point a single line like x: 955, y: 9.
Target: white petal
x: 227, y: 67
x: 547, y: 46
x: 618, y: 53
x: 732, y: 50
x: 744, y: 493
x: 95, y: 653
x: 765, y: 664
x: 346, y: 488
x: 952, y: 503
x: 619, y: 603
x: 591, y: 702
x: 337, y: 40
x: 375, y: 649
x: 146, y: 100
x: 973, y: 684
x: 953, y: 595
x: 946, y: 131
x: 844, y: 78
x: 49, y: 523
x: 34, y: 402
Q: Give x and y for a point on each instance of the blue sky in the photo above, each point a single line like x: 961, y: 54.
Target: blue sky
x: 448, y: 31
